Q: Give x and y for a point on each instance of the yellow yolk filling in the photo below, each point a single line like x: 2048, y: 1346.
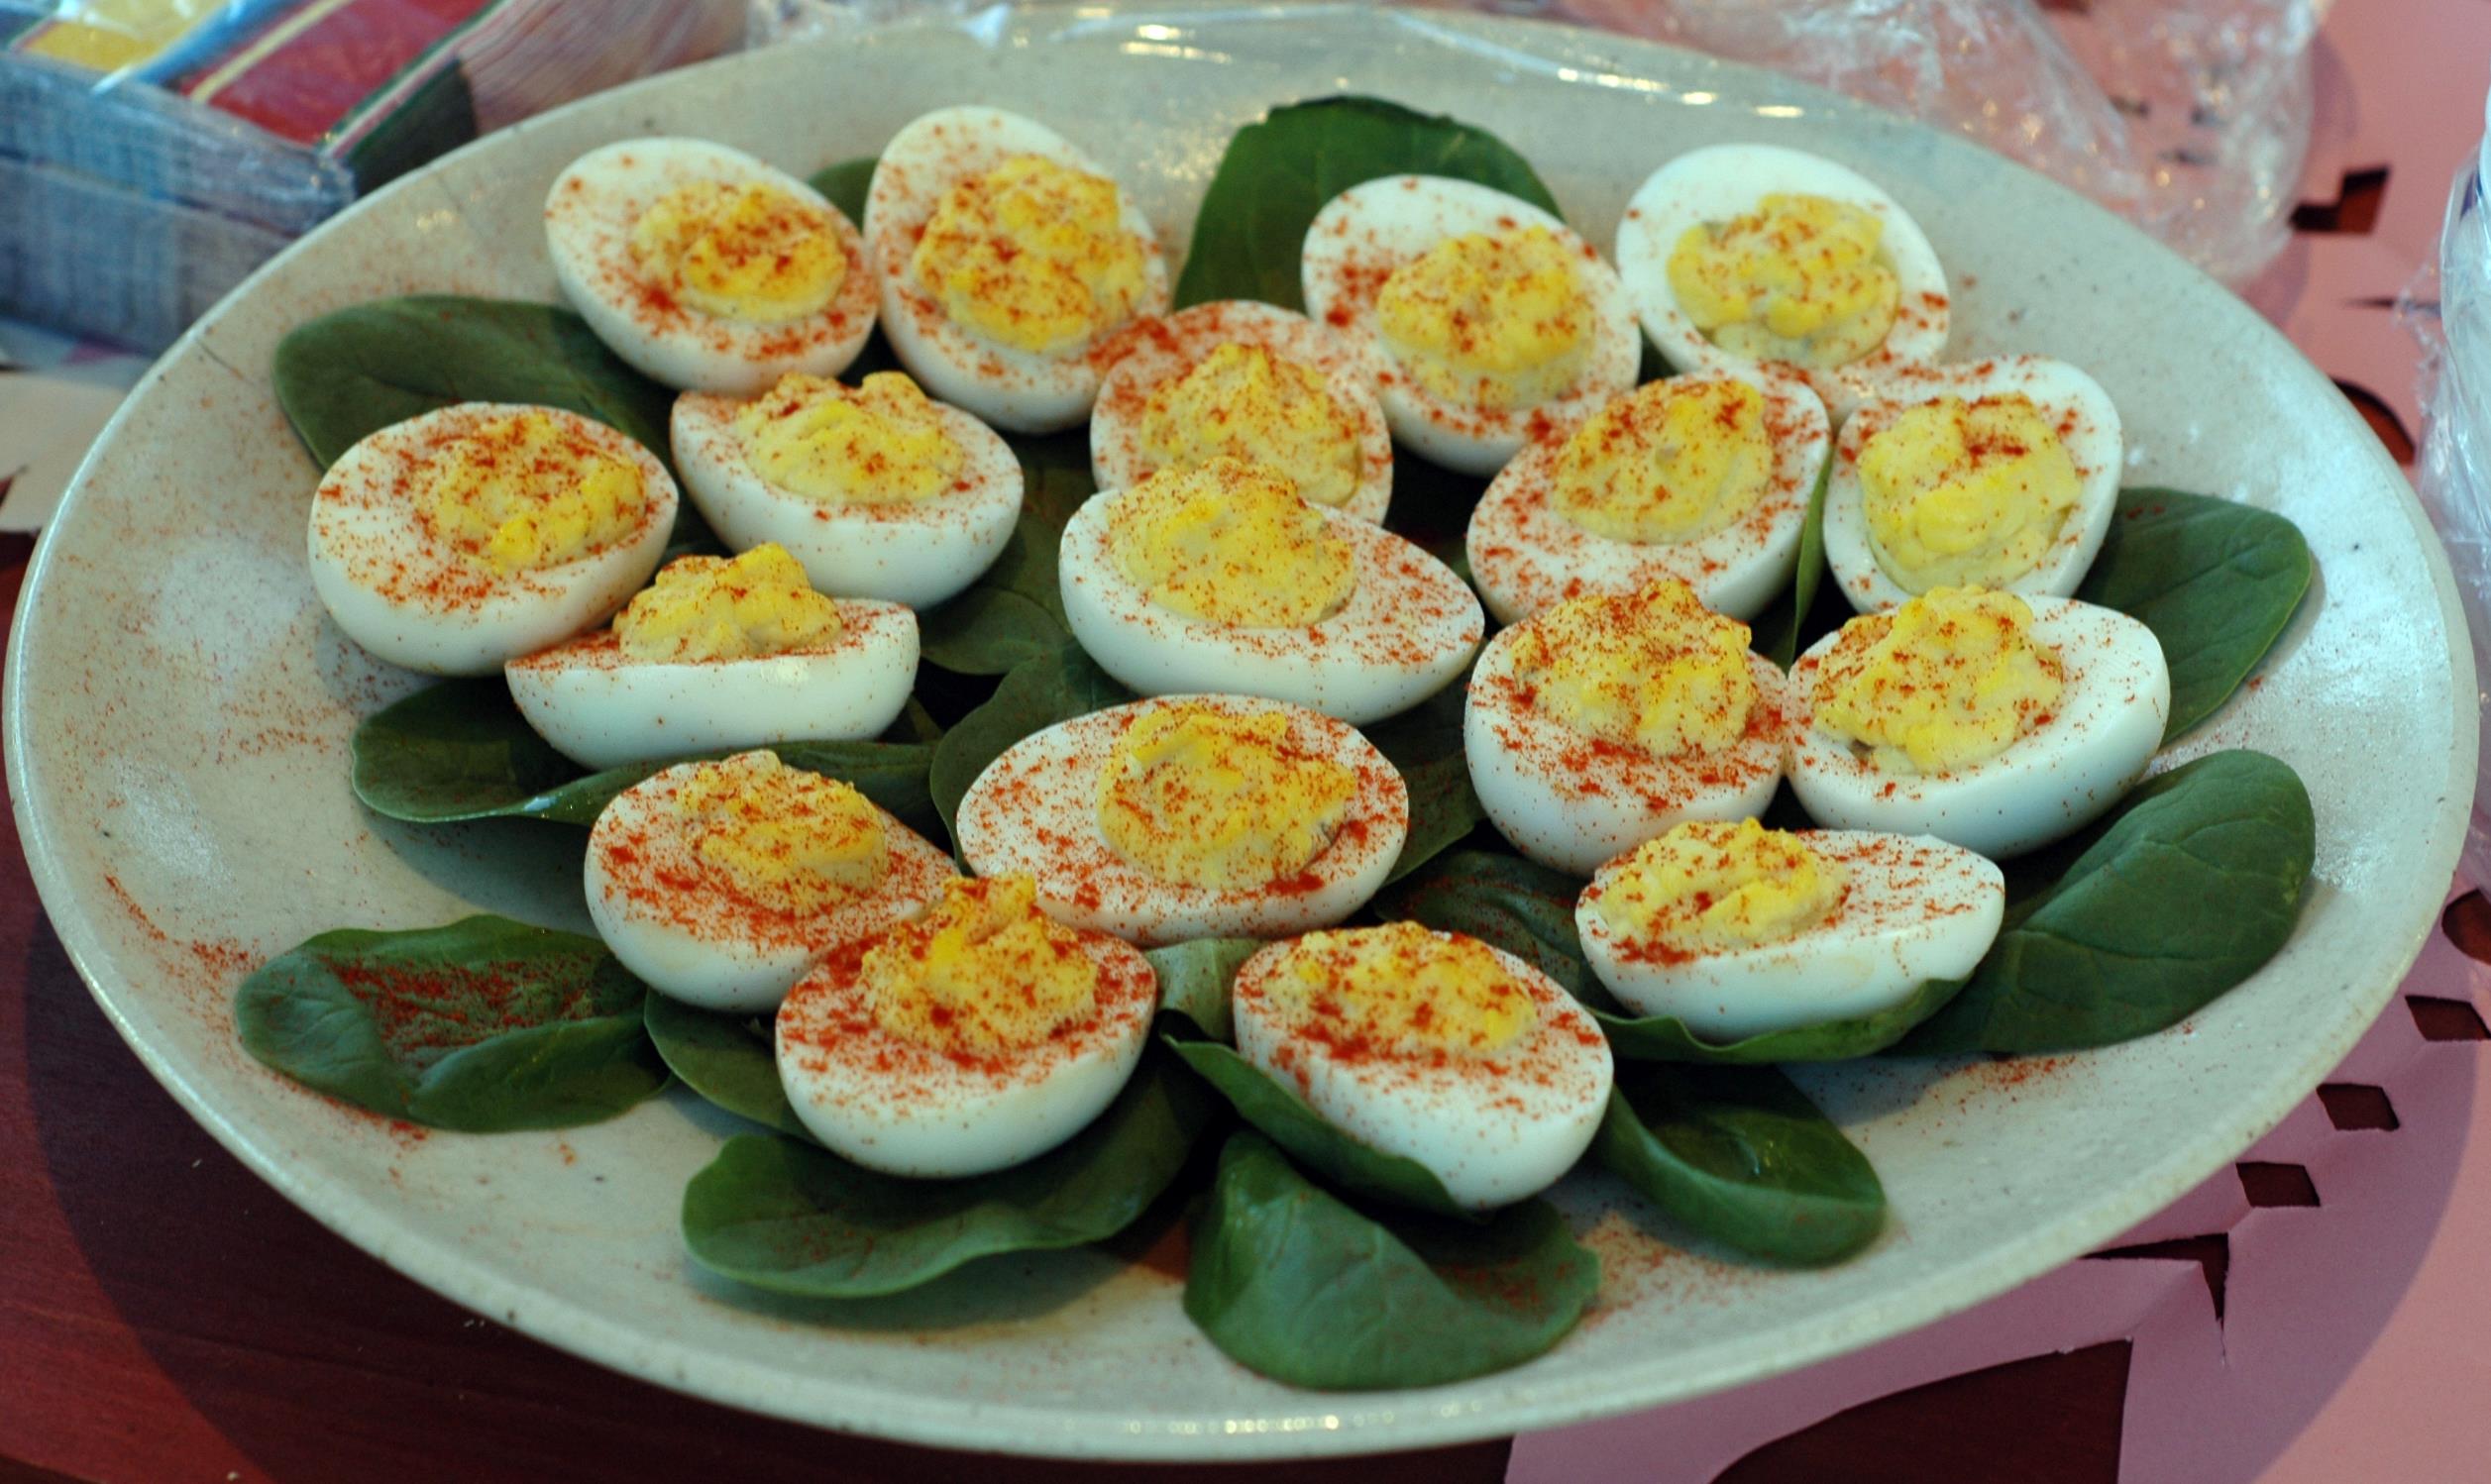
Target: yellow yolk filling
x: 1231, y: 543
x: 716, y: 608
x: 1243, y: 401
x: 1493, y: 320
x: 789, y: 839
x: 751, y: 253
x: 1032, y: 255
x: 1401, y: 990
x: 882, y: 442
x: 1797, y: 279
x: 1705, y: 886
x: 982, y: 973
x: 1949, y: 680
x: 1212, y: 800
x: 1966, y: 494
x: 1668, y: 461
x: 524, y: 492
x: 1653, y: 669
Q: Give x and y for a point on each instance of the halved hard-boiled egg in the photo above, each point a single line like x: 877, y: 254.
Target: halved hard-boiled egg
x: 1704, y: 478
x: 479, y: 532
x: 1007, y: 258
x: 722, y: 882
x: 1743, y: 255
x: 977, y: 1036
x: 1250, y: 380
x: 1997, y: 473
x: 705, y: 268
x: 720, y: 654
x: 1606, y: 719
x: 1492, y: 317
x: 1221, y: 578
x: 1737, y: 929
x: 876, y: 490
x: 1993, y: 721
x: 1191, y: 816
x: 1432, y: 1046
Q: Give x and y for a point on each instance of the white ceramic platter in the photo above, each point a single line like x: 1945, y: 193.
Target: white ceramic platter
x: 177, y: 713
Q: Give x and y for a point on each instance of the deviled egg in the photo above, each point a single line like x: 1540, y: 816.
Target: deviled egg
x: 1432, y: 1046
x: 722, y: 882
x: 1997, y: 723
x: 1221, y: 578
x: 1254, y: 382
x: 1704, y: 478
x: 720, y: 654
x: 1739, y: 256
x: 479, y: 532
x: 975, y: 1037
x: 1606, y: 719
x: 1493, y: 318
x: 1191, y: 816
x: 879, y: 492
x: 705, y: 268
x: 1006, y: 258
x: 1999, y: 474
x: 1736, y: 929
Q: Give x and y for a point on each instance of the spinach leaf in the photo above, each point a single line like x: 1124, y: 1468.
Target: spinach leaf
x: 460, y: 750
x: 1742, y: 1157
x: 1507, y: 902
x: 1038, y: 693
x: 1425, y: 744
x: 1779, y: 629
x: 796, y: 1219
x: 483, y: 1026
x: 1278, y: 173
x: 1667, y: 1038
x: 2217, y: 581
x: 1296, y: 1284
x: 358, y: 370
x: 2194, y: 880
x: 1194, y: 980
x: 726, y: 1058
x: 1286, y: 1119
x: 1014, y: 611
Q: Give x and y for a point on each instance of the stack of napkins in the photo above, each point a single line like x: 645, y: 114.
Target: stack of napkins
x: 154, y: 152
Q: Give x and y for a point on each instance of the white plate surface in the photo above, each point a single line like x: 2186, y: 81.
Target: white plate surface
x: 177, y: 710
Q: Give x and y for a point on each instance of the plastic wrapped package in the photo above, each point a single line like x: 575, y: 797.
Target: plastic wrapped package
x: 154, y: 152
x: 2450, y: 311
x: 2189, y: 117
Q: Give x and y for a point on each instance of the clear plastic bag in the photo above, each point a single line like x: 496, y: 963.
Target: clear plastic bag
x: 2449, y: 310
x: 2189, y: 117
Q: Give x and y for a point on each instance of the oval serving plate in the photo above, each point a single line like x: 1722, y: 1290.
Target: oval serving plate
x: 177, y: 710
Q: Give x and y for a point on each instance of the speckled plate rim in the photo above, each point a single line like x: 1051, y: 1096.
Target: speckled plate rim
x: 1327, y: 1423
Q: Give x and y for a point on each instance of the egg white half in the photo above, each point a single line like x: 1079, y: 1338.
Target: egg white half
x: 1492, y: 1129
x: 1525, y: 555
x: 588, y: 219
x: 1011, y: 388
x: 1407, y: 630
x: 411, y: 600
x: 1035, y: 812
x: 2075, y: 403
x: 1155, y: 352
x: 1363, y: 235
x: 1722, y: 181
x: 712, y: 944
x: 913, y: 552
x: 1913, y: 908
x: 2051, y: 781
x: 892, y: 1105
x: 1570, y: 801
x: 601, y: 709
